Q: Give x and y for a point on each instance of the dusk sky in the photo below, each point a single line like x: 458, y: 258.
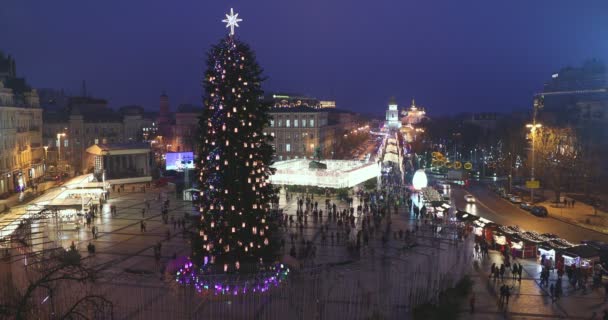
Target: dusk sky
x: 452, y: 56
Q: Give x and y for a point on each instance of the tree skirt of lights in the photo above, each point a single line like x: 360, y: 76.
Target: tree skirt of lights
x: 339, y: 173
x: 231, y: 283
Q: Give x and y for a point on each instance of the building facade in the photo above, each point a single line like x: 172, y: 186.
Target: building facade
x: 299, y: 131
x: 414, y: 115
x: 392, y: 121
x: 21, y: 152
x: 577, y: 97
x: 185, y: 131
x: 87, y: 121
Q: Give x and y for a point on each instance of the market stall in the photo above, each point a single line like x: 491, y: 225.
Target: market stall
x: 582, y: 256
x: 530, y: 242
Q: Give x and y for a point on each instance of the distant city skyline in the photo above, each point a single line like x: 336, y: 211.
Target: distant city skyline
x: 455, y: 57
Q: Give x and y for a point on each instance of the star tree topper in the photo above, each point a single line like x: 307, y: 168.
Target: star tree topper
x: 232, y: 20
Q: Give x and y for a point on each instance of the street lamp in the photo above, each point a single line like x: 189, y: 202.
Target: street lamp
x: 532, y: 127
x: 46, y: 148
x: 59, y: 135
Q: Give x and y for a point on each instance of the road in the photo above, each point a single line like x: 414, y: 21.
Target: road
x: 494, y: 208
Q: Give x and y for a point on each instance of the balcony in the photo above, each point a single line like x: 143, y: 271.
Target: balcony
x: 35, y: 128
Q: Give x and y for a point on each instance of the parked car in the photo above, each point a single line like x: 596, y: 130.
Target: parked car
x: 515, y: 199
x: 539, y: 211
x: 507, y: 196
x: 469, y: 198
x: 526, y: 206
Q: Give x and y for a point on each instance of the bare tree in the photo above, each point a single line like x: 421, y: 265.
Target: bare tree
x: 60, y: 278
x: 557, y: 157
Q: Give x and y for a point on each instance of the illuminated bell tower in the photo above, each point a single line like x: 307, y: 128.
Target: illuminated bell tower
x: 392, y: 115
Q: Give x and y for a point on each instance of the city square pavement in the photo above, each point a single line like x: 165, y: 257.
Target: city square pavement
x: 380, y: 280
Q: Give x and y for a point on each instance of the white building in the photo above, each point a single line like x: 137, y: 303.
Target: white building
x: 392, y: 116
x: 21, y: 153
x: 414, y: 115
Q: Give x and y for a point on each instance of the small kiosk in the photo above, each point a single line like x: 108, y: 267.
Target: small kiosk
x: 582, y: 256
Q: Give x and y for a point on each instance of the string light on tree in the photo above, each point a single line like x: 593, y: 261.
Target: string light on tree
x: 234, y: 228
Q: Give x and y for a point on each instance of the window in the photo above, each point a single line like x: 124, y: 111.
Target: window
x: 287, y: 123
x: 281, y: 147
x: 280, y: 123
x: 65, y: 143
x: 312, y: 123
x: 96, y: 141
x: 303, y: 123
x: 295, y: 123
x: 272, y: 123
x: 288, y: 147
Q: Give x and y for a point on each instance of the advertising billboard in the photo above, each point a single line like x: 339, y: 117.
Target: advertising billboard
x: 179, y: 161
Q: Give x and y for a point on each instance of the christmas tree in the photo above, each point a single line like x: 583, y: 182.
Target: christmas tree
x: 233, y: 163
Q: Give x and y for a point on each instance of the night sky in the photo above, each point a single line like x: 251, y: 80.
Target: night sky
x: 452, y: 56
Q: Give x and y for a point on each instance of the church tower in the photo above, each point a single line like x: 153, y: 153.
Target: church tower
x: 392, y: 115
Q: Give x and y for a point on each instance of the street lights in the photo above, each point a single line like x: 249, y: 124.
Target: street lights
x: 59, y: 135
x: 46, y: 148
x: 532, y: 127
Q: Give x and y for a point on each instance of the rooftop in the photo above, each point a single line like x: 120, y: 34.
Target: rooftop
x: 300, y: 109
x: 123, y: 146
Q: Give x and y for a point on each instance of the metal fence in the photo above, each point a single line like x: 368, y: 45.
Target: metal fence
x: 385, y: 284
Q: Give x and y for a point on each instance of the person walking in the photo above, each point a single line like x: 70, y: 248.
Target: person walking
x: 558, y: 289
x: 507, y: 293
x: 472, y: 303
x: 142, y: 227
x: 520, y: 270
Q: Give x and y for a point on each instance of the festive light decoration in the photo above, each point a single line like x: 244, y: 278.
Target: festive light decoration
x: 271, y: 276
x: 232, y: 21
x: 419, y: 181
x: 231, y: 129
x: 339, y: 173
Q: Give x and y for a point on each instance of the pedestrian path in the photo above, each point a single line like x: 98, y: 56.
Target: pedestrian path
x: 529, y: 300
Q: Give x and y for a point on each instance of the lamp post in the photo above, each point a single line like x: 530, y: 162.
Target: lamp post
x: 533, y: 127
x: 59, y: 135
x: 46, y: 148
